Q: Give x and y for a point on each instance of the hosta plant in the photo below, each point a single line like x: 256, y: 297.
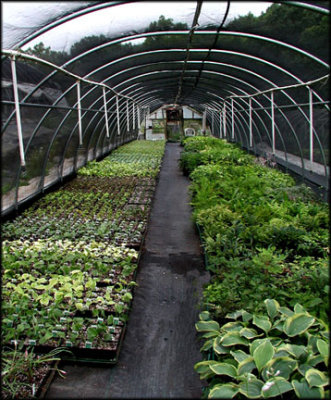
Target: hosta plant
x: 282, y: 353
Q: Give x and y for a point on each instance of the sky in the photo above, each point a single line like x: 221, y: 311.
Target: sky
x: 22, y: 17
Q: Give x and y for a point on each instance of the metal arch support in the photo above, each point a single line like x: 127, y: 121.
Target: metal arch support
x: 311, y: 126
x: 79, y: 110
x: 220, y: 131
x: 250, y: 123
x: 233, y: 66
x: 224, y: 118
x: 295, y: 136
x: 100, y: 138
x: 90, y: 9
x: 175, y: 32
x: 118, y: 117
x: 106, y: 112
x: 232, y: 119
x: 284, y: 116
x: 199, y: 50
x: 17, y: 111
x: 127, y: 116
x: 240, y: 54
x: 138, y: 118
x: 301, y: 4
x: 272, y: 122
x: 202, y: 32
x: 134, y: 117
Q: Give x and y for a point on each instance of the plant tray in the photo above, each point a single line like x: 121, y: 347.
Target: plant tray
x: 47, y: 380
x: 83, y: 354
x: 95, y: 356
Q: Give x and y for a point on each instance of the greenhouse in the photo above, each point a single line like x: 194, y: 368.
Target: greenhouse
x: 165, y: 188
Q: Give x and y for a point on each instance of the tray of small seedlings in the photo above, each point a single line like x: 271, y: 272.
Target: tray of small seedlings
x: 70, y: 260
x: 139, y: 158
x: 116, y: 215
x: 67, y: 294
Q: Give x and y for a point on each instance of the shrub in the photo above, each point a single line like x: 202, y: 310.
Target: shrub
x: 265, y: 355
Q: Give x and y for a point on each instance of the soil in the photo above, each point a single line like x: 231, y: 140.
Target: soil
x: 25, y: 390
x: 161, y: 345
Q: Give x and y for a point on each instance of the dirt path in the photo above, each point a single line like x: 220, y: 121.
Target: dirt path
x: 160, y: 347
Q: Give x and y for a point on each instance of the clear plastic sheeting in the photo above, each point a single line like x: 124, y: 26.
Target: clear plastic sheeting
x: 79, y: 78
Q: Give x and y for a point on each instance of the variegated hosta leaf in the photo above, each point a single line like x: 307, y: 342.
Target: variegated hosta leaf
x: 275, y: 387
x: 207, y: 345
x: 262, y: 322
x: 323, y: 349
x: 206, y: 326
x: 295, y: 350
x: 302, y: 390
x: 246, y: 366
x: 224, y: 369
x: 203, y: 368
x: 218, y: 348
x: 255, y: 344
x: 297, y: 324
x: 204, y: 316
x: 316, y: 378
x: 233, y: 338
x: 272, y: 307
x: 234, y: 315
x: 232, y: 326
x: 263, y: 354
x: 249, y: 333
x: 280, y: 366
x: 226, y: 391
x: 239, y: 355
x: 251, y: 388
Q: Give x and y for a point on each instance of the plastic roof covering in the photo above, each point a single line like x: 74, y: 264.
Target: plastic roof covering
x: 195, y: 60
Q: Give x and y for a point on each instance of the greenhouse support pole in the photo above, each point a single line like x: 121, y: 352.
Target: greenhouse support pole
x: 133, y: 119
x: 127, y: 116
x: 18, y: 112
x: 79, y: 108
x: 204, y: 122
x: 145, y: 118
x: 311, y: 125
x: 138, y: 113
x: 224, y: 119
x: 232, y: 120
x: 106, y: 113
x: 212, y: 121
x: 118, y: 116
x: 250, y: 124
x: 273, y: 137
x: 220, y: 124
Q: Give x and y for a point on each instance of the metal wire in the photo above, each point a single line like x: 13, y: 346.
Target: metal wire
x: 189, y: 42
x: 213, y: 44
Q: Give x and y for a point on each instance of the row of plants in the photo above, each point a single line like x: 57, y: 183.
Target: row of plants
x: 266, y: 241
x: 69, y: 264
x: 137, y: 159
x: 126, y: 227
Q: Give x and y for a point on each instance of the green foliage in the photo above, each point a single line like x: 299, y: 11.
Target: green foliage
x: 69, y: 260
x: 265, y: 355
x: 139, y: 158
x: 263, y: 237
